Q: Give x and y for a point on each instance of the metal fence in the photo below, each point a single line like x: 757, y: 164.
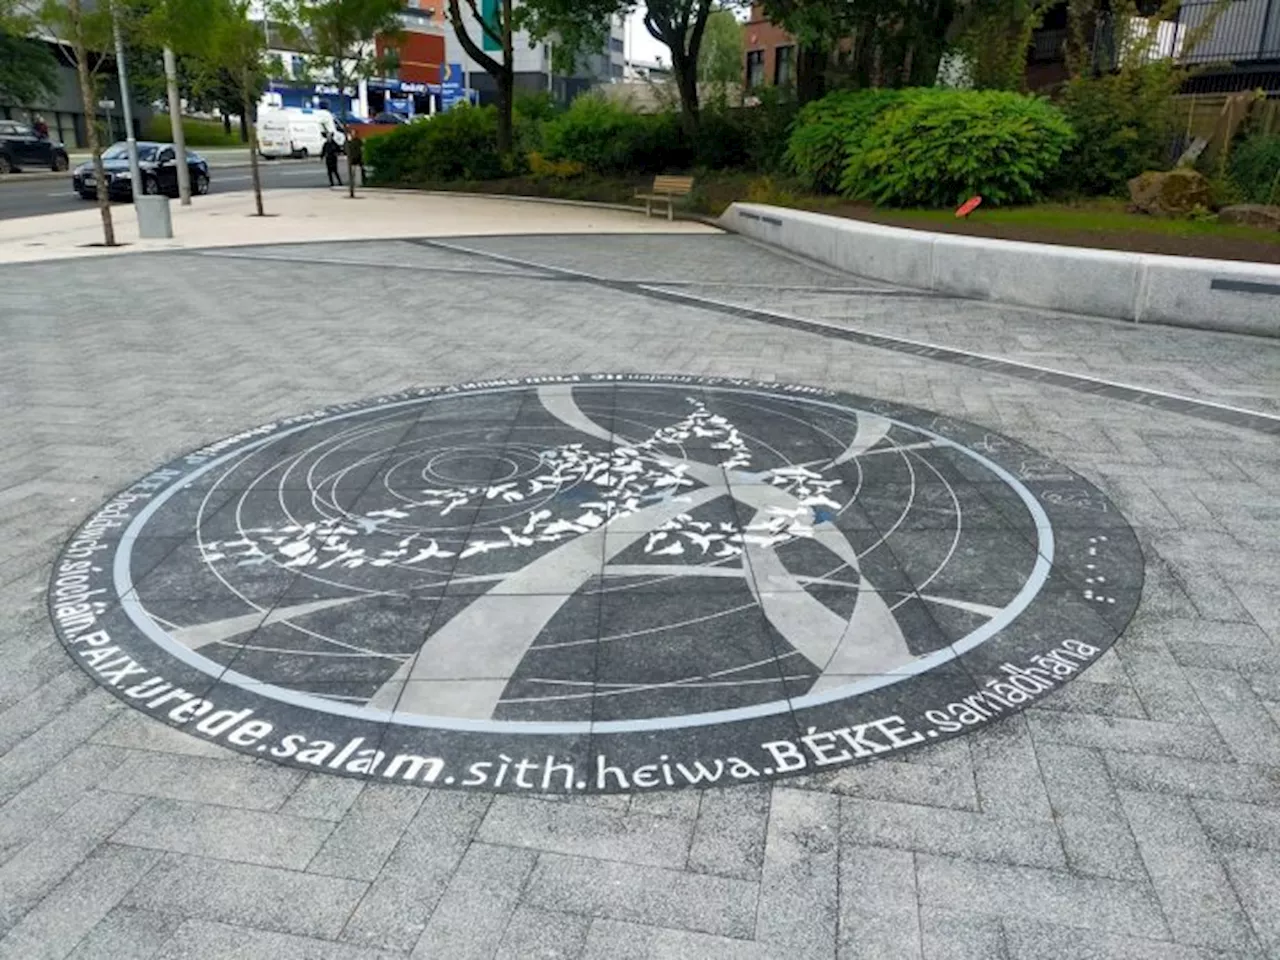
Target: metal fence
x: 1246, y: 30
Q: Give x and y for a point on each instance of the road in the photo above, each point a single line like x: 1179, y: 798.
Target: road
x: 20, y: 197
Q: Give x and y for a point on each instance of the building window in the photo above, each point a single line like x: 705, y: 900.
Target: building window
x: 299, y: 66
x: 755, y: 68
x: 616, y: 44
x: 784, y: 66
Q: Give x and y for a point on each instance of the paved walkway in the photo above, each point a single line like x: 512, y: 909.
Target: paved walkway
x: 1133, y: 814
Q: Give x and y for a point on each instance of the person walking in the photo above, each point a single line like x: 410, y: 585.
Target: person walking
x: 329, y: 154
x: 41, y: 128
x: 355, y: 154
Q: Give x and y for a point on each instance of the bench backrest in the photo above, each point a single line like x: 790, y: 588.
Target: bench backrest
x: 674, y: 186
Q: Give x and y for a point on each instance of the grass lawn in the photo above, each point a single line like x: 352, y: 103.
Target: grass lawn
x: 1092, y: 223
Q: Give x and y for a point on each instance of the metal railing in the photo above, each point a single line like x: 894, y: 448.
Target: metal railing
x: 1246, y: 30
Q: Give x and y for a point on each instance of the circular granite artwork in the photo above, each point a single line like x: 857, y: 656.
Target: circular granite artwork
x: 596, y: 583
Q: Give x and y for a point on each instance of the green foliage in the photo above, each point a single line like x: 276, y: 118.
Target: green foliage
x: 199, y: 133
x: 826, y: 130
x: 606, y: 137
x: 721, y: 55
x: 936, y: 148
x: 1255, y: 168
x: 460, y: 144
x: 28, y: 72
x: 540, y: 168
x: 995, y: 39
x: 1125, y: 123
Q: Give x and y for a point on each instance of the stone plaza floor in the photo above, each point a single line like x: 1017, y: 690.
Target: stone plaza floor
x: 1131, y: 810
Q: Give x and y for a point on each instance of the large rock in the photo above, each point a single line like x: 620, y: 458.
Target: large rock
x: 1170, y: 193
x: 1251, y: 215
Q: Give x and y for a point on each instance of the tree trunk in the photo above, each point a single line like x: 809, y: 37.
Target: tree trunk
x: 246, y: 118
x: 506, y: 82
x: 244, y: 128
x: 686, y: 71
x: 175, y: 123
x: 811, y: 80
x: 90, y: 122
x: 226, y: 123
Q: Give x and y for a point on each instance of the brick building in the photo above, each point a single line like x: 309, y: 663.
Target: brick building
x: 770, y: 53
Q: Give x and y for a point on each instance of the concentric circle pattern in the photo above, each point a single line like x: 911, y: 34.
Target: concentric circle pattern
x: 596, y: 584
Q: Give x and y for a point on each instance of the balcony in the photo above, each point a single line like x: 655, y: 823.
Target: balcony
x: 1246, y: 31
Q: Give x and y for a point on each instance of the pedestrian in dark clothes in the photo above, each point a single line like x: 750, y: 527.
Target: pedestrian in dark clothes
x: 355, y: 153
x: 329, y: 153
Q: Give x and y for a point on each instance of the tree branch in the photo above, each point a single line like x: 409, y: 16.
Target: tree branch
x: 484, y: 24
x: 487, y: 63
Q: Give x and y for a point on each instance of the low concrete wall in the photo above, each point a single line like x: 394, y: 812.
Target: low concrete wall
x: 1185, y: 291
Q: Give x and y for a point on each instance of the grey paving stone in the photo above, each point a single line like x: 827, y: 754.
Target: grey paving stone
x: 1219, y: 781
x: 41, y: 705
x: 126, y: 934
x: 798, y: 906
x: 323, y: 796
x: 1029, y: 940
x: 472, y: 916
x: 935, y: 786
x: 1197, y: 898
x: 1024, y: 892
x: 536, y: 934
x: 209, y: 940
x: 618, y: 940
x: 1162, y: 687
x: 1137, y: 736
x: 1007, y: 774
x: 284, y: 901
x: 1255, y: 876
x: 393, y: 914
x: 28, y: 876
x: 587, y: 831
x: 623, y: 891
x: 1095, y: 831
x: 32, y: 756
x: 952, y: 935
x: 1246, y: 726
x: 680, y: 804
x: 1239, y: 824
x: 40, y: 803
x: 75, y: 906
x: 729, y: 835
x: 952, y: 832
x: 224, y: 833
x: 1101, y: 699
x: 255, y: 786
x: 361, y: 842
x: 879, y: 905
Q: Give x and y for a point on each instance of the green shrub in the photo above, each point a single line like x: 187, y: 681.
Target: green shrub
x: 461, y: 144
x: 936, y: 148
x: 1255, y: 168
x: 198, y: 133
x: 1125, y: 123
x: 824, y: 130
x: 607, y: 137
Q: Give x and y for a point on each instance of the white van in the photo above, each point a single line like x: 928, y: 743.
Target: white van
x: 294, y: 131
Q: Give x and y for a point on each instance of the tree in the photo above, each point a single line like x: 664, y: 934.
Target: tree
x: 342, y: 36
x: 720, y: 59
x: 497, y: 23
x: 233, y: 54
x: 28, y: 71
x: 88, y: 32
x: 678, y: 24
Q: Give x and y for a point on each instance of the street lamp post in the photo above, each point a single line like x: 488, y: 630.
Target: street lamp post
x: 135, y: 172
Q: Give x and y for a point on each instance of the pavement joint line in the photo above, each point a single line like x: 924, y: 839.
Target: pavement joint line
x: 847, y: 291
x: 1143, y: 396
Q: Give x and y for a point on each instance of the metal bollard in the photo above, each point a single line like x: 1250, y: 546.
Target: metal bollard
x: 154, y: 222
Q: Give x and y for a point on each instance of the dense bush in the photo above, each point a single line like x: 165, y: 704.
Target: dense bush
x: 1125, y: 123
x: 935, y: 148
x: 825, y: 131
x: 1255, y: 168
x: 607, y: 137
x: 461, y: 144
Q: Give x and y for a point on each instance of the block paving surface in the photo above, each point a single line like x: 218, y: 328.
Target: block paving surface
x: 1135, y: 813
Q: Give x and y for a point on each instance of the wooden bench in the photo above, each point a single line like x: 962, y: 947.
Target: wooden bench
x: 666, y: 190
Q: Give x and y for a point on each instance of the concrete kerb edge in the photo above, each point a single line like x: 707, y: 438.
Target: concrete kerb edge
x: 525, y: 198
x: 1146, y: 288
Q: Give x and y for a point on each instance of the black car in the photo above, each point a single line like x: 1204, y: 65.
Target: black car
x: 159, y: 167
x: 21, y: 146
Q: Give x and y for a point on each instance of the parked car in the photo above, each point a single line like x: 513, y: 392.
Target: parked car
x: 158, y: 163
x: 21, y: 147
x: 388, y: 119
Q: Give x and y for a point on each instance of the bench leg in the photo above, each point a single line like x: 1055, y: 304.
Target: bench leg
x: 648, y: 209
x: 671, y: 210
